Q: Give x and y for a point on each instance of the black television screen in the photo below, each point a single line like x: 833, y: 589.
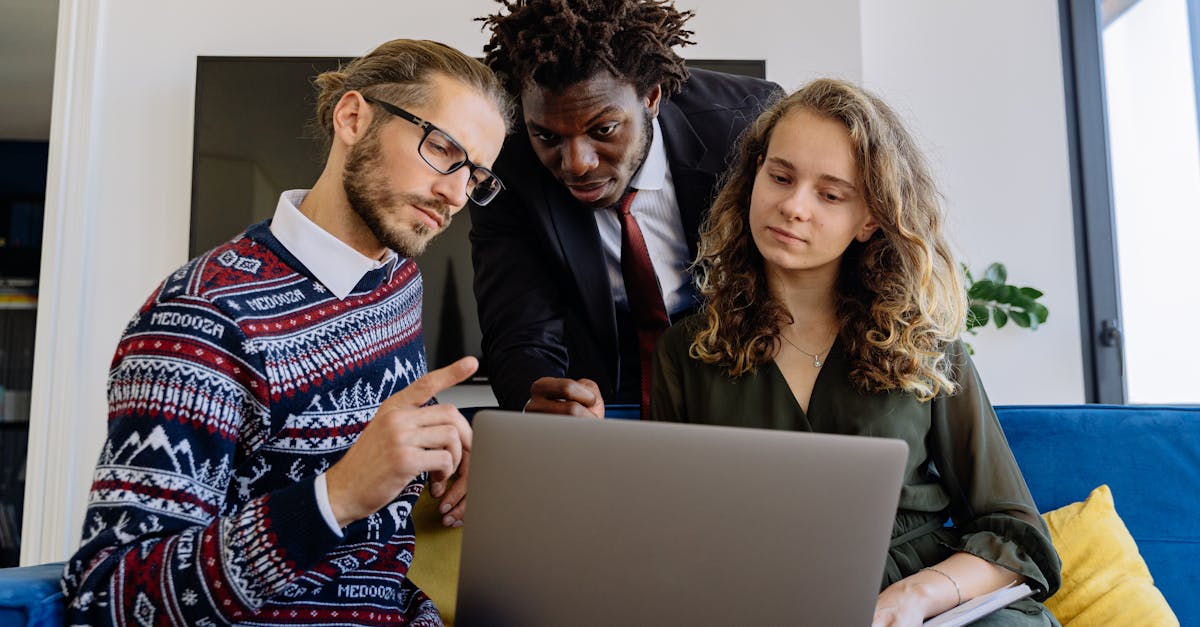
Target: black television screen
x: 253, y: 141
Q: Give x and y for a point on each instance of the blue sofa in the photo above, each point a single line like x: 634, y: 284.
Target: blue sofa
x: 31, y: 595
x: 1149, y: 456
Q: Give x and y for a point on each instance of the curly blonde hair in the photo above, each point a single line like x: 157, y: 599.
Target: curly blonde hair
x: 899, y: 294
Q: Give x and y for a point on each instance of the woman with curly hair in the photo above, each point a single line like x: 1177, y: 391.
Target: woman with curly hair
x: 832, y: 303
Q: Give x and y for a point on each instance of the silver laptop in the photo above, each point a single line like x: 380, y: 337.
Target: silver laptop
x: 614, y: 522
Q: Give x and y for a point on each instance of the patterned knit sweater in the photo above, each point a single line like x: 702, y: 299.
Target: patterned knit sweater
x: 238, y: 381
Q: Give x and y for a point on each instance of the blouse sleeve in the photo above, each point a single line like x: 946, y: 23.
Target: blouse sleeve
x: 666, y: 379
x: 991, y: 504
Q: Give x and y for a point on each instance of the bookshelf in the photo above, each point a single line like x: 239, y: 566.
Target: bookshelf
x: 22, y: 200
x: 13, y: 438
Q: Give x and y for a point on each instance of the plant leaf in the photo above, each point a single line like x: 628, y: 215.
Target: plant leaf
x: 982, y: 289
x: 1039, y: 311
x: 1031, y: 293
x: 1020, y: 318
x: 977, y: 316
x: 1023, y: 302
x: 1000, y: 318
x: 996, y: 273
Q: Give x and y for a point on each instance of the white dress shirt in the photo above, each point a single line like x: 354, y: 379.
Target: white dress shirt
x: 335, y: 264
x: 657, y: 211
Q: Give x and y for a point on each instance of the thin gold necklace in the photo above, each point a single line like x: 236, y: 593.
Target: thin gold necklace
x: 817, y: 362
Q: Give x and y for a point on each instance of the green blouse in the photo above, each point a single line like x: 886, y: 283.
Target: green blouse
x: 959, y: 463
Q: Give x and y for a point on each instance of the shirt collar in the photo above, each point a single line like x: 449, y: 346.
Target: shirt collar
x: 333, y: 262
x: 653, y: 173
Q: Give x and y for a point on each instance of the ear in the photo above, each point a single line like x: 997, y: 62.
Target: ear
x: 653, y: 99
x: 868, y: 229
x: 351, y: 117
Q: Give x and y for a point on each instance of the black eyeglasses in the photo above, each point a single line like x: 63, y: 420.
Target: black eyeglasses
x: 443, y: 154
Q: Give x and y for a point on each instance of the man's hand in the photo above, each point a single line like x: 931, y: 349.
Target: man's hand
x: 454, y: 503
x: 572, y: 397
x: 402, y: 440
x: 551, y: 396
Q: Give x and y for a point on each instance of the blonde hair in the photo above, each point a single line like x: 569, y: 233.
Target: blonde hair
x: 400, y: 72
x: 899, y: 295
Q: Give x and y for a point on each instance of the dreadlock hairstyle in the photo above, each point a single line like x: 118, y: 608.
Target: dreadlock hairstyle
x: 558, y: 43
x: 899, y: 294
x: 401, y: 71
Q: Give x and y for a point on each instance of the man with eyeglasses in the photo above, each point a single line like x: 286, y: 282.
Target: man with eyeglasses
x: 269, y: 421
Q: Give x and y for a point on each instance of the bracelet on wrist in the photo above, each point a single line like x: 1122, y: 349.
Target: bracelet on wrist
x: 957, y: 590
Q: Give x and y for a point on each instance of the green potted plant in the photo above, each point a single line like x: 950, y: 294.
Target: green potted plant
x: 992, y: 299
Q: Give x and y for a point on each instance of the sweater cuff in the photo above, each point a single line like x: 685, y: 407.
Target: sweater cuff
x: 321, y: 490
x: 270, y: 541
x: 299, y: 525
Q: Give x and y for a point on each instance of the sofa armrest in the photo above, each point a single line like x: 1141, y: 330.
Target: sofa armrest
x: 31, y: 595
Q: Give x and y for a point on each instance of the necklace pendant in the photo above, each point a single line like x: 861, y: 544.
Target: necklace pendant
x: 817, y: 361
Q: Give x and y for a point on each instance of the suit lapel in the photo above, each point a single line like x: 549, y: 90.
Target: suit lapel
x: 574, y: 225
x: 693, y: 177
x: 692, y: 189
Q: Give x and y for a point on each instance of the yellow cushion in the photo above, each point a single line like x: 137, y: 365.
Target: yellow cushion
x: 435, y: 564
x: 1105, y: 580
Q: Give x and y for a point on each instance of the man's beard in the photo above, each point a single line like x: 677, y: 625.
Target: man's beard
x: 647, y: 141
x: 371, y: 199
x: 647, y: 138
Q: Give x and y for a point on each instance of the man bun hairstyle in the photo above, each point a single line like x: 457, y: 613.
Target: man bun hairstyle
x: 558, y: 43
x: 400, y: 72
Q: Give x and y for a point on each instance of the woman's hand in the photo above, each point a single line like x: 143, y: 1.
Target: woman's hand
x: 903, y: 604
x: 935, y: 589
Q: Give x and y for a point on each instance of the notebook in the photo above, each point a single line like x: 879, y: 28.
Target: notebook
x: 599, y: 522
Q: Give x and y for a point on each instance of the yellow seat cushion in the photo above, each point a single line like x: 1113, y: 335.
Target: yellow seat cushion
x: 435, y: 563
x: 1105, y: 580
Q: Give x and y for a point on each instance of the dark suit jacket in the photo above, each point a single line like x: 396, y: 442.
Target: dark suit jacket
x: 545, y: 303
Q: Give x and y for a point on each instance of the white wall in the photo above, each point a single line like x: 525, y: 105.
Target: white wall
x: 980, y: 85
x: 800, y: 39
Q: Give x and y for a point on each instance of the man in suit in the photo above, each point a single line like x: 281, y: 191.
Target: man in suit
x: 572, y: 291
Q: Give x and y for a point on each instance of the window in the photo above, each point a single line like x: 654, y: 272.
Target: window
x: 1132, y: 84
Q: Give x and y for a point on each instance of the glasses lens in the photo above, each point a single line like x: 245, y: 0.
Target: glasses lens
x: 442, y: 152
x: 483, y: 186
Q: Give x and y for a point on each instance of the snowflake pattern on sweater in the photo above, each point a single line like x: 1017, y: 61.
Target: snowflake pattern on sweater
x: 238, y: 382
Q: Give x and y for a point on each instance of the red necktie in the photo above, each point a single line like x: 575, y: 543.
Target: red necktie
x: 641, y: 287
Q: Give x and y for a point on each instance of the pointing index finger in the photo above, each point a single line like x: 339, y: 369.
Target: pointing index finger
x: 420, y: 391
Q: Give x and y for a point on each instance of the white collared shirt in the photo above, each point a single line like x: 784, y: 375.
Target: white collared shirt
x: 336, y: 265
x: 657, y: 211
x: 333, y: 262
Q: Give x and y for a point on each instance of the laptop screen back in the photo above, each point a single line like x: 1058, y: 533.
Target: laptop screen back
x: 591, y: 522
